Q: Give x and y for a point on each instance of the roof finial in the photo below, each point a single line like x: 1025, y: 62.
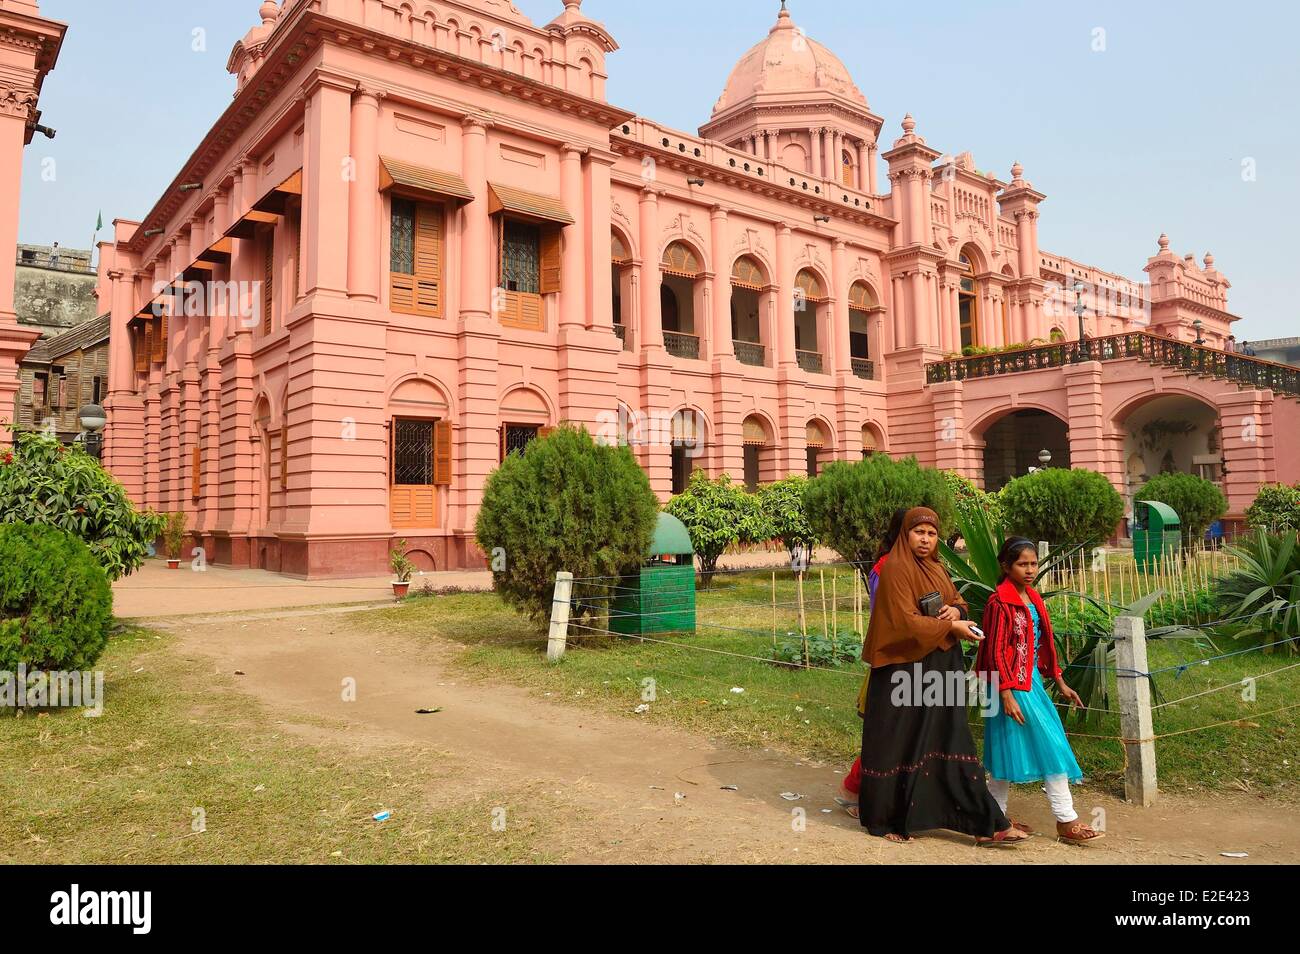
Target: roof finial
x: 784, y: 14
x: 1164, y: 242
x: 909, y: 124
x: 269, y: 11
x: 575, y: 4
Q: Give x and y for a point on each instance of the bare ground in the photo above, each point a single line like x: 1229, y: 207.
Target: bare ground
x: 617, y: 779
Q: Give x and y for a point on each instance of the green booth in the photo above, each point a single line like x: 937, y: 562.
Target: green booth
x: 1158, y: 531
x: 660, y: 597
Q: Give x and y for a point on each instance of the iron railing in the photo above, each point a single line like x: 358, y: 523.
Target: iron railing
x: 810, y: 361
x: 681, y: 345
x: 1178, y: 355
x: 864, y: 369
x: 751, y: 353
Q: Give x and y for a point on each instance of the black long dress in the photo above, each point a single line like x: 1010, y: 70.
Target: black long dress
x: 919, y: 767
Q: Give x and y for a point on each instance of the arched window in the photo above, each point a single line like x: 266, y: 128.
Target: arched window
x: 681, y: 282
x: 757, y: 445
x: 849, y: 172
x: 968, y: 299
x: 620, y: 263
x: 748, y: 282
x: 816, y: 446
x: 869, y: 443
x: 862, y: 302
x: 809, y: 314
x: 688, y: 444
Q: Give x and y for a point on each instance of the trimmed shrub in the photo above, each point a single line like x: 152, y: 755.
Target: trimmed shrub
x: 43, y: 482
x: 1062, y: 506
x: 718, y: 514
x: 1198, y: 501
x: 565, y: 503
x: 784, y: 513
x: 56, y: 606
x: 849, y: 505
x: 1276, y: 508
x: 968, y: 498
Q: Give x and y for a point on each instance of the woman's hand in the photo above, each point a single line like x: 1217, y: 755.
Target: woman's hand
x: 1011, y: 707
x: 1068, y: 694
x: 950, y: 613
x: 964, y: 629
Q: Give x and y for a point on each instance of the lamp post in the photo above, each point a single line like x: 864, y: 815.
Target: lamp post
x: 1079, y: 309
x: 1199, y: 325
x: 1044, y: 458
x: 92, y: 419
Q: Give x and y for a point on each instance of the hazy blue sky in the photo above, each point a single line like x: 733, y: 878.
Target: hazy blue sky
x: 1147, y: 136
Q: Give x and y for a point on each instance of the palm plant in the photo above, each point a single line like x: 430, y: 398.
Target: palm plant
x: 1265, y: 591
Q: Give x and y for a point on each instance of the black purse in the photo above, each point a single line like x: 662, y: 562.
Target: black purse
x: 931, y: 604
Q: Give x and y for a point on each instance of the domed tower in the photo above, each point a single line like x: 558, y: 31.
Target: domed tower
x: 792, y: 101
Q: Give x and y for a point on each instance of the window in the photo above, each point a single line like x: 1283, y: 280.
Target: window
x: 683, y: 466
x: 268, y: 279
x: 846, y: 161
x: 96, y: 390
x: 861, y: 304
x: 421, y: 463
x: 816, y: 441
x: 688, y: 443
x: 516, y: 437
x: 751, y: 467
x: 529, y: 258
x: 521, y: 258
x: 869, y: 443
x: 755, y: 442
x: 968, y: 298
x: 415, y: 258
x: 40, y: 385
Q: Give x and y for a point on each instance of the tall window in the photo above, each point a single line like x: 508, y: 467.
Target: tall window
x: 861, y: 303
x: 529, y: 267
x: 846, y: 165
x: 688, y: 443
x: 621, y: 260
x: 755, y: 446
x: 415, y: 258
x: 521, y: 258
x: 816, y: 446
x: 968, y: 298
x: 421, y: 463
x: 268, y: 278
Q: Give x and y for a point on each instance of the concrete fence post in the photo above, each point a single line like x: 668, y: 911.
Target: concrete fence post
x: 1135, y: 711
x: 560, y: 603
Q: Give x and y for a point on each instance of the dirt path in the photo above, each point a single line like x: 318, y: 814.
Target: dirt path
x: 617, y: 778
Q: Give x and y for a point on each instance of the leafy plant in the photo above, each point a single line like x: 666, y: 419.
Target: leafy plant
x: 968, y: 497
x: 823, y: 651
x: 850, y: 505
x: 174, y: 534
x: 1276, y: 508
x: 400, y: 563
x: 565, y: 503
x: 1266, y: 590
x: 1197, y: 501
x: 717, y: 514
x: 1062, y: 506
x: 784, y: 513
x: 55, y: 602
x: 43, y: 482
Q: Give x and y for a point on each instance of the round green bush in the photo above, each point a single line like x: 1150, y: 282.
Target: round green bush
x: 56, y: 606
x: 718, y: 514
x: 43, y: 482
x: 1062, y: 506
x: 565, y: 503
x: 1276, y: 508
x: 1197, y: 501
x: 849, y: 505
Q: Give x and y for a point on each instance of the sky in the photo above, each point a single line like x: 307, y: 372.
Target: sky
x: 1135, y: 118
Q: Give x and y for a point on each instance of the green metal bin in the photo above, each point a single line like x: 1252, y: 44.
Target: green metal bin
x: 1158, y: 532
x: 660, y: 597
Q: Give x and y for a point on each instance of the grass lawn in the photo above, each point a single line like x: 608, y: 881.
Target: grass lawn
x: 173, y: 737
x: 812, y: 713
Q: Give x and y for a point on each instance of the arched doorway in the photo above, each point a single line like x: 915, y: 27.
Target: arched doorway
x: 810, y: 307
x: 760, y: 455
x: 1013, y: 444
x: 688, y: 446
x: 748, y: 281
x: 681, y: 286
x: 818, y: 444
x: 862, y: 304
x: 620, y: 284
x: 968, y: 303
x: 1172, y: 433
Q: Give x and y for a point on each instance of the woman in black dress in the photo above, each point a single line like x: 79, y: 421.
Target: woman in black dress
x: 919, y: 766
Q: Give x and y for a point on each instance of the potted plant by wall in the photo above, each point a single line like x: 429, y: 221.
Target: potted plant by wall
x: 174, y: 539
x: 402, y: 569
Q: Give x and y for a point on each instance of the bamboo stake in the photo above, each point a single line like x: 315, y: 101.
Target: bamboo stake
x: 774, y: 609
x: 803, y: 622
x: 825, y: 618
x: 835, y: 603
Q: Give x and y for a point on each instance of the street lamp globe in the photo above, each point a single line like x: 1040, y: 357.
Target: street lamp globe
x: 1044, y: 457
x: 92, y: 418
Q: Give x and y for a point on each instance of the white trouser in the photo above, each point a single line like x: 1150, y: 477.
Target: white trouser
x: 1057, y: 788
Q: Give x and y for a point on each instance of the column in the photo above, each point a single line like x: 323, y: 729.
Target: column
x: 476, y: 279
x: 815, y: 148
x: 721, y: 294
x: 651, y: 330
x: 572, y: 261
x: 840, y: 308
x: 873, y: 185
x: 784, y: 317
x: 325, y: 191
x: 837, y: 157
x: 363, y: 191
x: 600, y: 313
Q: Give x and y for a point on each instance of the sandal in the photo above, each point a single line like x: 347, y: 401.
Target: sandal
x: 1002, y: 839
x: 850, y: 807
x: 1077, y: 833
x: 896, y: 839
x: 1022, y: 826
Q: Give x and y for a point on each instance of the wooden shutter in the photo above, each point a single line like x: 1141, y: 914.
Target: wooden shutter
x: 157, y: 339
x: 442, y: 453
x: 428, y: 260
x: 545, y: 432
x: 550, y: 264
x: 142, y: 347
x: 268, y: 281
x: 72, y: 394
x: 297, y: 255
x: 413, y: 507
x: 196, y: 473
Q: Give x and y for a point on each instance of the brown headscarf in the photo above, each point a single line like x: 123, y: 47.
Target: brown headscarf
x: 898, y: 633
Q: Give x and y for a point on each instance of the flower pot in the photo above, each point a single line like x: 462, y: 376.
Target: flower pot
x: 173, y: 564
x: 400, y: 589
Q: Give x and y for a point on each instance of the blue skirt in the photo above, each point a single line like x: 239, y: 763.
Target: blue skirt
x: 1034, y: 751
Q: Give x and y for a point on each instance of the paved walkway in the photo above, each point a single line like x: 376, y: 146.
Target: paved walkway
x: 155, y: 592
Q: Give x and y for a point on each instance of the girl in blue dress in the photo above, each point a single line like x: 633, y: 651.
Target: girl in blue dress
x: 1025, y: 741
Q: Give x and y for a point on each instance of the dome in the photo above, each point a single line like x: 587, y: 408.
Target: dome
x: 787, y: 61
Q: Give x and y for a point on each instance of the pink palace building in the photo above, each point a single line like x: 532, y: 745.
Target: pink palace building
x: 420, y: 236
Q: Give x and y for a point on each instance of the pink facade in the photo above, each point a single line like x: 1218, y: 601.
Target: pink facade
x: 443, y: 240
x: 29, y: 47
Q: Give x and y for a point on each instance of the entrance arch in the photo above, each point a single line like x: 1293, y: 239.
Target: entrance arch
x: 1013, y: 443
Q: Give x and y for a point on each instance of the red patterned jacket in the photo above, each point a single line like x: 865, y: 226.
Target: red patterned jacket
x: 1008, y: 639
